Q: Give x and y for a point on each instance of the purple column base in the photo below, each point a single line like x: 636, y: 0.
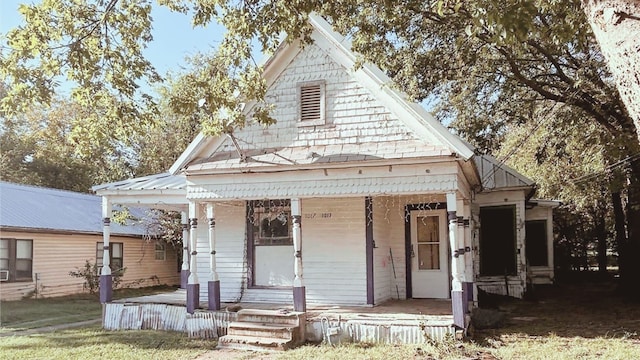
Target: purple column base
x: 184, y: 278
x: 299, y: 299
x: 193, y: 297
x: 457, y: 306
x: 214, y: 295
x: 106, y: 289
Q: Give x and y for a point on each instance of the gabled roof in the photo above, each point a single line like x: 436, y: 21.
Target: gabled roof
x: 24, y: 207
x: 164, y: 181
x: 369, y: 76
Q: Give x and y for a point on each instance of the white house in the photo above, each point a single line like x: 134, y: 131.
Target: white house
x: 354, y: 197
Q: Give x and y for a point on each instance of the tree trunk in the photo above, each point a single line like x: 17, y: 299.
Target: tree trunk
x: 616, y: 25
x: 629, y: 265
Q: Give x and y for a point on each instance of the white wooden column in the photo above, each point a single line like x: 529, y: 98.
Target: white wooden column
x: 184, y: 273
x: 106, y: 279
x: 299, y: 292
x: 193, y: 285
x: 468, y: 256
x: 213, y: 285
x: 457, y: 295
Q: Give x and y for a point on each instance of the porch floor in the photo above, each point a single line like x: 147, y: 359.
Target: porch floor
x: 410, y: 309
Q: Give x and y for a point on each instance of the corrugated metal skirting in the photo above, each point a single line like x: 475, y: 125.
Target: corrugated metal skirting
x: 379, y: 333
x: 201, y: 324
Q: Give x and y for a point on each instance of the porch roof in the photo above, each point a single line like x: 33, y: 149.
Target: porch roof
x: 164, y: 190
x: 325, y: 155
x: 163, y: 181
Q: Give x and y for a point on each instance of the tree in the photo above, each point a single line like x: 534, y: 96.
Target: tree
x: 616, y: 25
x: 489, y: 65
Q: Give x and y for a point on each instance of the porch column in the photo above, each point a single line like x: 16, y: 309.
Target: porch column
x: 193, y: 286
x: 299, y: 292
x: 456, y: 284
x: 213, y: 286
x: 468, y: 257
x: 462, y: 254
x: 184, y: 273
x: 106, y: 289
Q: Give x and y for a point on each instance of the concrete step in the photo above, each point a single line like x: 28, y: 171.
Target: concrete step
x: 253, y: 343
x: 271, y: 317
x: 279, y: 331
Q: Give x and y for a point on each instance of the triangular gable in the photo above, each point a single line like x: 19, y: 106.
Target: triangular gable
x: 497, y: 175
x: 424, y: 127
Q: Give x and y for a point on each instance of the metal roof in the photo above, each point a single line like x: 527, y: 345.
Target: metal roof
x: 164, y: 181
x: 497, y: 175
x: 228, y: 158
x: 31, y: 207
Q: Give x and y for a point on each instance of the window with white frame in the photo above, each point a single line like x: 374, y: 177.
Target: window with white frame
x: 161, y: 251
x: 16, y: 260
x: 311, y: 101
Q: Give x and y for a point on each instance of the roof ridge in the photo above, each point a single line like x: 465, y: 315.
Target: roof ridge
x: 32, y: 188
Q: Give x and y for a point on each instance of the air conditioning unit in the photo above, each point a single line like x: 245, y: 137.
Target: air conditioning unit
x: 4, y: 275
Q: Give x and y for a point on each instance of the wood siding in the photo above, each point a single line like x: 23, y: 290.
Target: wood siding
x: 55, y: 255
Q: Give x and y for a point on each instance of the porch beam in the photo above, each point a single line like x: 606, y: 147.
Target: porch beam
x: 106, y: 279
x: 299, y: 292
x: 457, y: 294
x: 213, y: 285
x: 184, y: 273
x: 193, y: 285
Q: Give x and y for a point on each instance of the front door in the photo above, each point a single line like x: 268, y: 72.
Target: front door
x: 429, y: 260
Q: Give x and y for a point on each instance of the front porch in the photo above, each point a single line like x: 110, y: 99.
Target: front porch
x: 410, y: 321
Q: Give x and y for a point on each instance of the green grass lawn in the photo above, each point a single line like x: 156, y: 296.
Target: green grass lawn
x: 570, y: 322
x: 34, y: 313
x: 95, y: 343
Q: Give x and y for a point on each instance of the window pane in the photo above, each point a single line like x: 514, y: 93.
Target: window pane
x: 23, y: 269
x: 116, y: 249
x: 23, y: 249
x: 4, y: 264
x: 498, y: 240
x: 428, y: 229
x: 4, y: 249
x: 428, y: 256
x: 116, y: 264
x: 536, y: 242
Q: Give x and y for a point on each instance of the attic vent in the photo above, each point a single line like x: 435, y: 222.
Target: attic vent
x: 311, y: 97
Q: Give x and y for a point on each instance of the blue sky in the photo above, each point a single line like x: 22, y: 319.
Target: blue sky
x: 174, y: 36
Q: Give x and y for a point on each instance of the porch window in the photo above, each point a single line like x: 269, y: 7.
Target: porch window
x: 271, y: 221
x: 498, y: 240
x: 311, y: 103
x: 161, y: 251
x: 116, y: 255
x: 16, y: 260
x: 536, y: 242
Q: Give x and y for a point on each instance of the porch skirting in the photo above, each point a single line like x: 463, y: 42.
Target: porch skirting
x: 411, y: 329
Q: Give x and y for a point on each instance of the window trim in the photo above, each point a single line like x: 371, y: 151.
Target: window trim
x: 13, y: 259
x: 322, y: 119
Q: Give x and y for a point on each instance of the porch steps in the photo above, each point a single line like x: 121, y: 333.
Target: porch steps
x: 264, y: 330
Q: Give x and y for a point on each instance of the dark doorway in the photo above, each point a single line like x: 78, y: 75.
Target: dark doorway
x: 498, y: 240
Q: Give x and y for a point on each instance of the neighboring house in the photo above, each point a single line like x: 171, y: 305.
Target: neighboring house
x: 46, y: 233
x: 354, y: 197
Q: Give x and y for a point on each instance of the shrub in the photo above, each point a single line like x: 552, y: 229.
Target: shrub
x: 91, y: 275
